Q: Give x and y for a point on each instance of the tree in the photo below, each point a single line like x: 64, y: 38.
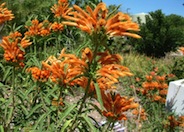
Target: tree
x: 160, y: 34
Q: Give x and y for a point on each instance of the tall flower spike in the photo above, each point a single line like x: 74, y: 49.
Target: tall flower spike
x: 98, y: 20
x: 5, y: 14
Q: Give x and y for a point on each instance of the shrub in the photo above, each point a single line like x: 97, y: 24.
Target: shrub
x: 159, y: 34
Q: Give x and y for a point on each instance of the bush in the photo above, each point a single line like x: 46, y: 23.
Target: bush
x: 159, y: 34
x: 177, y: 68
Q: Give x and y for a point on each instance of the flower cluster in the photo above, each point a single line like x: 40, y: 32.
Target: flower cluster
x: 39, y: 74
x: 66, y: 67
x: 99, y: 20
x: 116, y: 105
x: 61, y: 9
x: 38, y: 28
x: 175, y: 122
x: 155, y: 87
x: 14, y: 46
x: 5, y: 14
x: 44, y: 28
x: 57, y: 26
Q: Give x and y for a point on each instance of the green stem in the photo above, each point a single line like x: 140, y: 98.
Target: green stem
x: 74, y: 125
x: 94, y: 65
x: 13, y: 86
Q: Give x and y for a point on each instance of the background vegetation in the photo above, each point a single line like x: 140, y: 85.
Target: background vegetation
x: 34, y: 109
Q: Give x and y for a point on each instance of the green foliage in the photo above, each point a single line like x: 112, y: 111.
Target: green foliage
x: 177, y: 67
x: 28, y: 105
x: 160, y: 34
x: 83, y: 3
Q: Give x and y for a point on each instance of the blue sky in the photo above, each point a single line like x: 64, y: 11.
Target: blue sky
x: 139, y: 6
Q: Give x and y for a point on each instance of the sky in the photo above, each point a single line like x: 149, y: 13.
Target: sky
x: 145, y: 6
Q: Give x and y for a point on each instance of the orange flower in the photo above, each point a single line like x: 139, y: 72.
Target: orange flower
x: 13, y: 46
x: 140, y: 113
x: 150, y: 85
x: 181, y: 50
x: 70, y: 70
x: 61, y: 9
x: 107, y: 58
x: 40, y: 29
x: 173, y: 121
x: 160, y: 78
x: 5, y: 14
x: 108, y: 75
x: 64, y: 68
x: 38, y: 74
x: 163, y: 92
x: 149, y: 78
x: 157, y: 98
x: 98, y: 20
x: 57, y: 26
x: 87, y: 55
x: 116, y: 106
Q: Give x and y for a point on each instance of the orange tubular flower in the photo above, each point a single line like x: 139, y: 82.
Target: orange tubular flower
x: 38, y: 74
x: 155, y: 87
x: 64, y: 68
x: 98, y: 20
x: 61, y: 9
x: 57, y: 26
x: 5, y: 14
x: 13, y: 45
x: 40, y: 29
x: 109, y: 74
x: 115, y: 106
x: 181, y: 50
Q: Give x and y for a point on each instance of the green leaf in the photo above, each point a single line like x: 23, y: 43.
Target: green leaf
x: 99, y: 97
x: 1, y: 128
x: 89, y: 123
x: 42, y: 118
x: 1, y: 84
x: 2, y: 67
x: 24, y: 109
x: 7, y: 73
x: 66, y: 113
x: 34, y: 109
x: 66, y: 124
x: 10, y: 113
x: 114, y: 11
